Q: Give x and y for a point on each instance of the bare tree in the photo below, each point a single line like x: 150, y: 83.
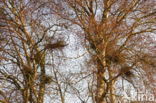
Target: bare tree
x: 120, y: 38
x: 118, y: 35
x: 27, y: 37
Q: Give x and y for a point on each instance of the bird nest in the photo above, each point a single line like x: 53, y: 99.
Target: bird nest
x: 115, y: 57
x: 47, y: 79
x: 127, y: 71
x: 57, y: 45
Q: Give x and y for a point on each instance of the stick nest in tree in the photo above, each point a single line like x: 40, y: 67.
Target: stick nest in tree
x: 27, y: 69
x: 47, y: 79
x: 115, y: 57
x: 57, y: 45
x: 127, y: 71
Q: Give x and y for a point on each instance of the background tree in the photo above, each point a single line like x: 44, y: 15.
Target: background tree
x: 27, y: 39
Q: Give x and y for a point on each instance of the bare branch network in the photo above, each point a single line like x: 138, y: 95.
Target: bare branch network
x: 77, y: 51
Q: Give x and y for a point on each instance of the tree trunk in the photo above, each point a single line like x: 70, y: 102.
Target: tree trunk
x: 42, y: 86
x: 100, y: 87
